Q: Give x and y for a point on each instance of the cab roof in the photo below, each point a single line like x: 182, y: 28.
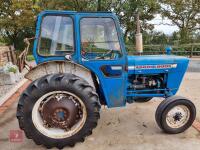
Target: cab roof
x: 74, y: 12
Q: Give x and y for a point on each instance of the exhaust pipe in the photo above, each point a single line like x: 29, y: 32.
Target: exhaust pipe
x: 138, y: 38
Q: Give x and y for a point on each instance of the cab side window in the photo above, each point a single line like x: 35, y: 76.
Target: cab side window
x: 56, y: 36
x: 99, y: 39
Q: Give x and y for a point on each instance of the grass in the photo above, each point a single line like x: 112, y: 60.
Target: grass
x: 2, y: 44
x: 12, y: 69
x: 30, y: 58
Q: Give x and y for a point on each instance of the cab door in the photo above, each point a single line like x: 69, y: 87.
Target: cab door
x: 102, y: 51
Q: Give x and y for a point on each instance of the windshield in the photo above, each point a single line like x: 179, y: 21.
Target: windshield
x: 56, y: 36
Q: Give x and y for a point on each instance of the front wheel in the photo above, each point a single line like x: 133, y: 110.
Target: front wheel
x: 58, y: 110
x: 175, y: 114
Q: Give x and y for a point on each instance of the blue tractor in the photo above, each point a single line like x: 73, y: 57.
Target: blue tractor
x: 83, y: 64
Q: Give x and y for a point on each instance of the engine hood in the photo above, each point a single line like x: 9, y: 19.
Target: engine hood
x: 156, y: 59
x: 156, y: 63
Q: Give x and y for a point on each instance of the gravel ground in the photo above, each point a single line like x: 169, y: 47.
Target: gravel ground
x: 190, y: 88
x: 5, y: 88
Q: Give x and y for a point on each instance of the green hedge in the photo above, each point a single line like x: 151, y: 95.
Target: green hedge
x: 30, y: 58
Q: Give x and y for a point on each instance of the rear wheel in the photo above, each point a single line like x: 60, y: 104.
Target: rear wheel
x: 58, y: 110
x: 175, y: 114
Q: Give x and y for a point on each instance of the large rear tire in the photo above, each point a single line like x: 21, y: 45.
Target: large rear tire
x: 80, y: 107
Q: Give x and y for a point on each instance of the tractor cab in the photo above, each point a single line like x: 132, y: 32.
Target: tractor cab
x: 83, y: 36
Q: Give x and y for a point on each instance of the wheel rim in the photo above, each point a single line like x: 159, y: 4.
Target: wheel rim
x: 56, y: 120
x: 178, y: 116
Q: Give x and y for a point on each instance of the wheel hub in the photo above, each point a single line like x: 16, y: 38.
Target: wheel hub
x: 60, y: 111
x: 178, y: 116
x: 60, y: 115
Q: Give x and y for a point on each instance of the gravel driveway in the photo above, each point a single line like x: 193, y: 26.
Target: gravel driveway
x: 4, y: 89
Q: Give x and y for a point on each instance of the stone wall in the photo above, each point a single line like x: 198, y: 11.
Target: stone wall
x: 5, y: 55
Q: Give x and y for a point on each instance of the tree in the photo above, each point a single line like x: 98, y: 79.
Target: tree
x: 175, y: 38
x: 127, y: 10
x: 154, y: 37
x: 16, y: 20
x: 17, y: 17
x: 184, y: 14
x: 75, y: 5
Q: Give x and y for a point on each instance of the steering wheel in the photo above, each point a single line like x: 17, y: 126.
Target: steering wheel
x: 110, y: 52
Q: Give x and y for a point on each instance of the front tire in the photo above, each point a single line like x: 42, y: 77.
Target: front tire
x: 175, y: 114
x: 67, y: 95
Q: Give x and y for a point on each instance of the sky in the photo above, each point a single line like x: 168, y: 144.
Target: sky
x: 158, y: 26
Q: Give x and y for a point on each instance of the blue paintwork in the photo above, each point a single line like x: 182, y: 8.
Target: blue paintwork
x: 114, y: 89
x: 175, y: 75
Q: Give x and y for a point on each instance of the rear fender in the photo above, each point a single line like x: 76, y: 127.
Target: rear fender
x: 52, y: 67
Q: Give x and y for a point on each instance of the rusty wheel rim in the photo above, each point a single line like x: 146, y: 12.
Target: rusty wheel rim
x: 178, y: 116
x: 54, y: 127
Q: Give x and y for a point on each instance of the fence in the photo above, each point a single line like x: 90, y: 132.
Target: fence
x: 7, y: 54
x: 190, y: 50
